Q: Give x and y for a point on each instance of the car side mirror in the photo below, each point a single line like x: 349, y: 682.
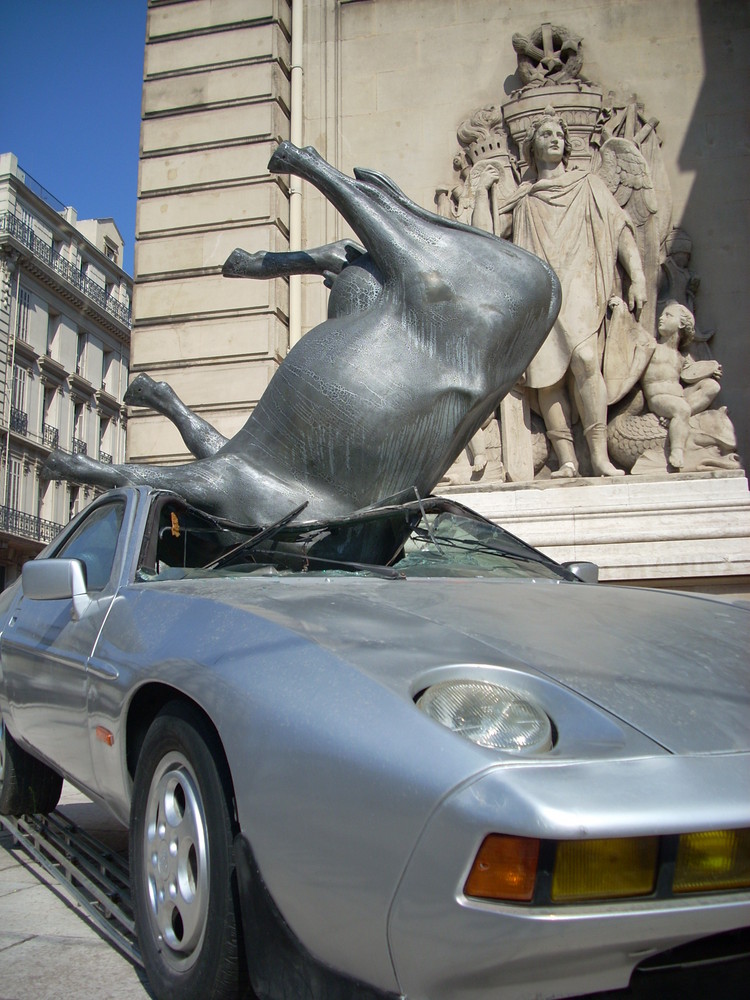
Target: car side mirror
x: 56, y: 580
x: 587, y: 572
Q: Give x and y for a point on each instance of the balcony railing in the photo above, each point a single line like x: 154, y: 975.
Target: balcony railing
x: 19, y: 421
x: 50, y: 436
x: 79, y: 447
x: 15, y: 522
x: 43, y: 193
x: 104, y: 456
x: 12, y: 225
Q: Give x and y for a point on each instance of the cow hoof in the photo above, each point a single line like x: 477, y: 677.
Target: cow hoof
x: 56, y: 466
x: 140, y: 390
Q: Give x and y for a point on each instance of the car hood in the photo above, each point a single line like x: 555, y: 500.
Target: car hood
x: 672, y: 666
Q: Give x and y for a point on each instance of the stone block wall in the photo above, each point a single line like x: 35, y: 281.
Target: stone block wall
x: 215, y: 104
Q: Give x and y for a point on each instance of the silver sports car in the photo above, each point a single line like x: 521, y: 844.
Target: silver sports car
x: 401, y: 754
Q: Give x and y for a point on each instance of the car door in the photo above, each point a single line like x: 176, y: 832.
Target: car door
x: 46, y: 647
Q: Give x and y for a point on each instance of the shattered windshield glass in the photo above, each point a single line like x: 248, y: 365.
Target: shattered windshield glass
x: 427, y: 538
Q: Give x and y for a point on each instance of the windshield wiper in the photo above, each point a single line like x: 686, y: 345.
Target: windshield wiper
x: 309, y: 560
x: 256, y: 539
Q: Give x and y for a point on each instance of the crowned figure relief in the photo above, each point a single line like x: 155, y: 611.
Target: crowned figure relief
x: 577, y: 178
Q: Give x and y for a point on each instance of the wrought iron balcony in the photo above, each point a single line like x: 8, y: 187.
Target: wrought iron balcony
x: 19, y: 421
x: 79, y: 447
x: 50, y: 436
x: 12, y: 225
x: 16, y: 522
x: 105, y: 457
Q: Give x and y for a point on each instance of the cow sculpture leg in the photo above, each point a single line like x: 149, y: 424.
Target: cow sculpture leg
x: 328, y: 260
x: 221, y: 484
x: 346, y: 267
x: 201, y: 439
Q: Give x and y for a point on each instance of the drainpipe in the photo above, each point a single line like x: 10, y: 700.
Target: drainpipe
x: 12, y: 321
x: 295, y: 185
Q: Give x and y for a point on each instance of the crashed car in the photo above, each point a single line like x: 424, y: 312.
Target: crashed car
x: 399, y: 754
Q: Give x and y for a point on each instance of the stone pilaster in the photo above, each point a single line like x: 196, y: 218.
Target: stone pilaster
x: 215, y: 104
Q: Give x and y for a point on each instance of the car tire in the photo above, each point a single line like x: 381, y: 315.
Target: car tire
x: 182, y: 868
x: 26, y: 784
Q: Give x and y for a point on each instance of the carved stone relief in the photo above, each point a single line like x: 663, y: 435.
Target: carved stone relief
x: 575, y: 175
x: 8, y: 262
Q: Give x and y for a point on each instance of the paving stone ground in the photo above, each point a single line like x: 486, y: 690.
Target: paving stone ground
x: 48, y: 949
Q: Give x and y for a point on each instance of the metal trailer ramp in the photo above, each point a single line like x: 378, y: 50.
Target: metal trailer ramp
x: 96, y: 876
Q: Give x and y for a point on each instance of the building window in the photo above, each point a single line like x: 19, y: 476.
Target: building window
x: 50, y: 429
x: 19, y: 418
x: 79, y: 439
x: 110, y: 251
x: 53, y: 325
x: 24, y: 306
x: 81, y: 355
x: 15, y: 476
x: 73, y: 505
x: 20, y: 381
x: 46, y: 496
x: 106, y: 367
x: 105, y: 448
x: 27, y: 219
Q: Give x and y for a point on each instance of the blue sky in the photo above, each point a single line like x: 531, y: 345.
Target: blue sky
x: 73, y: 72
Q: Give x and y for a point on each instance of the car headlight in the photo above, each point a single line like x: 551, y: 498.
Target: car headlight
x: 488, y: 714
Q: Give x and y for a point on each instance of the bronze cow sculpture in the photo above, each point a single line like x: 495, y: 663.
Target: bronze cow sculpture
x: 427, y: 331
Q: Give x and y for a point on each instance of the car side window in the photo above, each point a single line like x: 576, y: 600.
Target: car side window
x: 95, y: 543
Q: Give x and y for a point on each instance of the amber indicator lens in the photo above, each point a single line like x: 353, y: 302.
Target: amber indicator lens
x: 717, y: 859
x: 605, y: 869
x: 504, y: 868
x: 105, y: 736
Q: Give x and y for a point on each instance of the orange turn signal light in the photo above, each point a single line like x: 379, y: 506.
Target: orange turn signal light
x: 105, y: 736
x: 504, y: 868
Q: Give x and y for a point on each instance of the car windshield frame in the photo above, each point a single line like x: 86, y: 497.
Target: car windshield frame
x: 432, y: 537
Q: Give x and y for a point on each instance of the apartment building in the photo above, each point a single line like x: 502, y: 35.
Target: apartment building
x: 64, y: 357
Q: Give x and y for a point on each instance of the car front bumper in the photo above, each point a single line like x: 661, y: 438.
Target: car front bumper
x: 445, y: 944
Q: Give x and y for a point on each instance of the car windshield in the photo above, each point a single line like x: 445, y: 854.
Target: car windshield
x: 434, y: 537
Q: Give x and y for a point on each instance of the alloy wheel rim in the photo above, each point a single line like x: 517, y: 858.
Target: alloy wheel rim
x: 176, y: 862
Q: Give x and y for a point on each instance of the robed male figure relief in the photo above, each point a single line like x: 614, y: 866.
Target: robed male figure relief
x: 570, y: 219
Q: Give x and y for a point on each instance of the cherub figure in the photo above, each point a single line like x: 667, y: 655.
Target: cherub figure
x: 675, y: 386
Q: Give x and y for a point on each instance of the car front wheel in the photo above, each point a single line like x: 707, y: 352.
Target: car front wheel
x: 26, y: 784
x: 182, y: 871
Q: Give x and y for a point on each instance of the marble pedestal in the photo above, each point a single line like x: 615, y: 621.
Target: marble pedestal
x: 690, y: 532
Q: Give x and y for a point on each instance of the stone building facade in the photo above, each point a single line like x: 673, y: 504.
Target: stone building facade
x: 386, y: 84
x: 64, y: 356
